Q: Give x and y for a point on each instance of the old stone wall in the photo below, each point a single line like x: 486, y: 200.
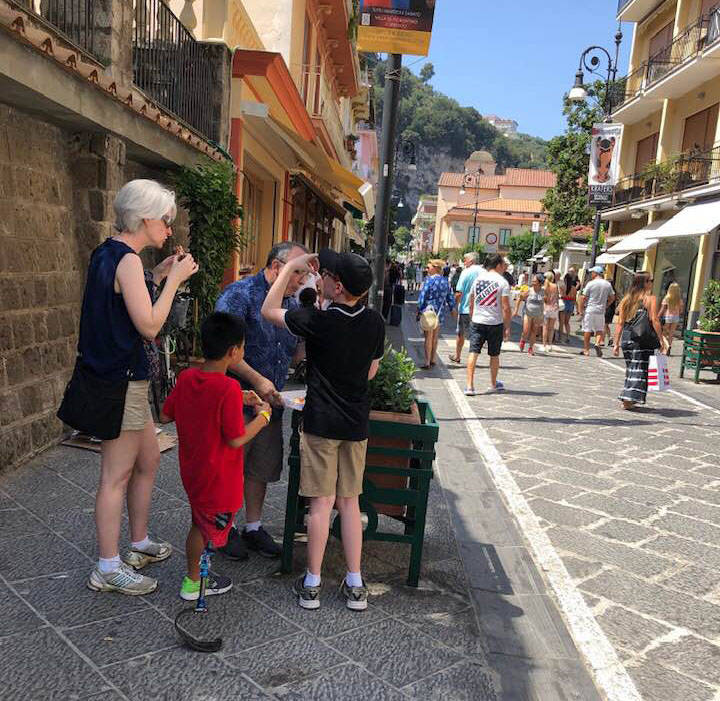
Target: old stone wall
x: 56, y: 194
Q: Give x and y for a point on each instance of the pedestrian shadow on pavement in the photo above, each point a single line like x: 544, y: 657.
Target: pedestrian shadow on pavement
x: 665, y: 412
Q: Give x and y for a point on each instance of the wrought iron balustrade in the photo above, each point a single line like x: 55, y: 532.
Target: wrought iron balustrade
x: 680, y: 50
x: 74, y: 18
x: 171, y: 67
x: 627, y: 87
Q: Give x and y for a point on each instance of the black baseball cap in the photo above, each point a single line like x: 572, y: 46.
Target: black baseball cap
x: 353, y: 271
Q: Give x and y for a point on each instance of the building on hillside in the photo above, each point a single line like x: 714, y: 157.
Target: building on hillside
x: 479, y: 206
x: 666, y: 207
x: 297, y: 93
x: 509, y: 127
x: 85, y: 105
x: 423, y: 224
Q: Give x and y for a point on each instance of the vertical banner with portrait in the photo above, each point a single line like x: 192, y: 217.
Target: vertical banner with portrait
x: 604, y: 163
x: 396, y: 26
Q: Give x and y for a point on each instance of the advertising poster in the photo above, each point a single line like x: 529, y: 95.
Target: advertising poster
x: 396, y: 26
x: 604, y: 163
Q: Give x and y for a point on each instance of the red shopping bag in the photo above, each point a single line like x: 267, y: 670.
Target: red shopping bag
x: 658, y: 373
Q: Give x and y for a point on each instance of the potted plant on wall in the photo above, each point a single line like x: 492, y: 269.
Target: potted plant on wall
x: 709, y: 321
x: 701, y: 350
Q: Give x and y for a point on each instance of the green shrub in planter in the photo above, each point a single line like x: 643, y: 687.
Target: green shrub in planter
x: 391, y: 388
x: 710, y: 317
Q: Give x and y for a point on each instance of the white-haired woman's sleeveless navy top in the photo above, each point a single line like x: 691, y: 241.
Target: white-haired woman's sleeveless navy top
x: 109, y: 344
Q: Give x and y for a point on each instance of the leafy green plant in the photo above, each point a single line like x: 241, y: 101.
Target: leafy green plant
x: 478, y: 248
x: 521, y: 247
x: 557, y: 241
x: 710, y: 317
x: 207, y: 192
x: 391, y: 388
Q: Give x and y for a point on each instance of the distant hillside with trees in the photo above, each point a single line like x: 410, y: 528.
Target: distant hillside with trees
x: 444, y: 134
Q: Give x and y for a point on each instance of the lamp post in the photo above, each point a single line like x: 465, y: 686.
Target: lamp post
x: 590, y: 59
x: 472, y: 179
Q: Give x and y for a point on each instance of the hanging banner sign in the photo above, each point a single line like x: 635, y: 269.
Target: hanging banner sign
x: 396, y: 26
x: 604, y: 163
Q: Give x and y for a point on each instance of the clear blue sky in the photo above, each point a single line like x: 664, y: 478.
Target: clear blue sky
x: 517, y: 58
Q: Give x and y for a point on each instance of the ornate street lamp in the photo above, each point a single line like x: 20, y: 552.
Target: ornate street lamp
x: 590, y: 59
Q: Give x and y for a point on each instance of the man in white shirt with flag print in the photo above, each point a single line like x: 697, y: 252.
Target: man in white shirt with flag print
x: 491, y: 316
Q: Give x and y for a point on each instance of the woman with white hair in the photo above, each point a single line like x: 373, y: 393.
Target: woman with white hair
x: 117, y: 314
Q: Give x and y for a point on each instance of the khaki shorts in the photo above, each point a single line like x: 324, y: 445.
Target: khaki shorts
x: 330, y: 467
x: 137, y: 407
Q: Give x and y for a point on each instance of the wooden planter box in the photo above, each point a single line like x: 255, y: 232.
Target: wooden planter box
x: 701, y: 351
x: 398, y: 470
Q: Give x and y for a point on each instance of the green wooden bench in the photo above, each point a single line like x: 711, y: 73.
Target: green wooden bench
x: 413, y: 494
x: 701, y: 351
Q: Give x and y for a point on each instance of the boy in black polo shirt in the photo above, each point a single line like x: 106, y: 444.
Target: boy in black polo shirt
x: 344, y: 345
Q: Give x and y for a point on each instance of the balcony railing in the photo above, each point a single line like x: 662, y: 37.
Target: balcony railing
x: 321, y: 104
x: 626, y: 88
x: 675, y: 175
x: 74, y: 18
x: 171, y: 67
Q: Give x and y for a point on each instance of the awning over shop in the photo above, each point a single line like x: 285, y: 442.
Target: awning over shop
x: 610, y: 258
x: 694, y: 220
x: 641, y: 240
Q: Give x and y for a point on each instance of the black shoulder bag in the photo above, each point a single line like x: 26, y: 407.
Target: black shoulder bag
x: 639, y: 330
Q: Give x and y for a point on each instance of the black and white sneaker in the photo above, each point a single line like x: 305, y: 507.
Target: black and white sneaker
x: 235, y: 548
x: 308, y: 597
x: 356, y: 598
x: 261, y: 542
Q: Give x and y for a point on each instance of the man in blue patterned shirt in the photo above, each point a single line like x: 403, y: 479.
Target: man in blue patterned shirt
x: 268, y: 353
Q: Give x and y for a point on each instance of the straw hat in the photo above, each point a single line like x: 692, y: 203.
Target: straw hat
x: 436, y: 263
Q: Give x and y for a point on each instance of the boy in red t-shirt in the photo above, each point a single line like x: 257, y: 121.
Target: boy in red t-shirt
x: 207, y: 407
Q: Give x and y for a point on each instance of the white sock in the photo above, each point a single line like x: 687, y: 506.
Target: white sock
x: 140, y: 544
x: 109, y: 564
x: 311, y: 580
x: 253, y: 526
x: 353, y: 579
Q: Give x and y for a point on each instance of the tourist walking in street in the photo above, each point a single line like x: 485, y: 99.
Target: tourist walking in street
x: 117, y: 313
x: 639, y: 335
x: 344, y: 344
x: 419, y: 276
x: 462, y: 290
x: 435, y: 300
x: 410, y: 276
x: 534, y: 299
x: 671, y: 312
x: 551, y: 312
x: 571, y: 285
x: 264, y: 368
x: 592, y: 304
x: 491, y: 317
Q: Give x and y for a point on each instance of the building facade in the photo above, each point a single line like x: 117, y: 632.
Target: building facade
x: 509, y: 127
x: 423, y: 224
x: 669, y: 194
x: 479, y: 206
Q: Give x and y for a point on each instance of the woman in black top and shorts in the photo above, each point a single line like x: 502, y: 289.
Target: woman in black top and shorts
x: 117, y: 314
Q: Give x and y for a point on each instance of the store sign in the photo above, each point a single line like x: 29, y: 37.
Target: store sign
x: 396, y: 26
x: 604, y: 163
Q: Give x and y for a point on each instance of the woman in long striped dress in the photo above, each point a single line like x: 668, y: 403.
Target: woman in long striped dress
x: 637, y: 302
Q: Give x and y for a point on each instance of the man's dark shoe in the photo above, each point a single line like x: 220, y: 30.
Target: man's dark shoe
x: 234, y: 549
x: 261, y: 542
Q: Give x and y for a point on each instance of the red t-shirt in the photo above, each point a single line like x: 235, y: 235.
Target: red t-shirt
x: 208, y: 411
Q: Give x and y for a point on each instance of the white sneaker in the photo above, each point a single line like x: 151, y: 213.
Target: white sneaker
x: 124, y: 579
x: 499, y: 387
x: 469, y: 392
x: 155, y: 552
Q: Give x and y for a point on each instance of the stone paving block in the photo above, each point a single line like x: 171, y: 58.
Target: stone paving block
x: 542, y: 680
x: 692, y: 656
x: 525, y: 483
x: 527, y: 466
x: 78, y: 525
x: 561, y: 515
x: 485, y: 519
x: 688, y: 528
x: 457, y: 630
x: 629, y: 630
x: 40, y: 665
x: 35, y: 557
x: 711, y: 496
x: 587, y: 545
x: 116, y: 639
x: 554, y: 491
x: 525, y: 625
x: 624, y: 531
x: 18, y: 522
x: 581, y: 480
x: 465, y: 681
x: 685, y: 549
x: 65, y: 601
x: 656, y: 682
x: 697, y: 509
x: 656, y: 601
x: 645, y: 495
x: 181, y: 675
x: 656, y: 468
x: 640, y: 478
x: 284, y: 661
x: 504, y: 570
x: 579, y: 568
x: 391, y: 650
x: 710, y: 469
x: 17, y: 616
x: 612, y: 506
x: 698, y: 581
x: 343, y: 683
